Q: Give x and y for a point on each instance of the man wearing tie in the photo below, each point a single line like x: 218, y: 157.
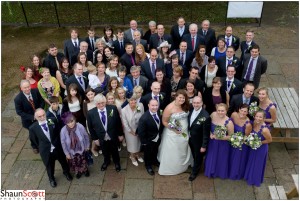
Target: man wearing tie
x: 155, y: 94
x: 71, y: 46
x: 119, y: 44
x: 159, y: 37
x: 178, y: 31
x: 227, y: 60
x: 238, y: 99
x: 137, y: 40
x: 45, y: 139
x: 137, y: 79
x: 199, y: 130
x: 52, y: 60
x: 149, y: 130
x: 232, y: 85
x: 91, y: 39
x: 209, y: 34
x: 150, y: 65
x: 193, y: 39
x: 254, y: 66
x: 230, y: 39
x: 128, y: 34
x: 26, y: 102
x: 128, y: 59
x: 104, y: 124
x: 185, y: 58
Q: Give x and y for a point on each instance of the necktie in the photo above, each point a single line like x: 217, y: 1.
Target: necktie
x: 153, y: 70
x: 75, y: 44
x: 155, y: 118
x: 204, y: 33
x: 121, y: 48
x: 229, y: 62
x: 81, y: 83
x: 121, y: 45
x: 181, y: 31
x: 31, y: 102
x: 228, y: 84
x: 182, y: 58
x: 227, y: 42
x: 103, y: 118
x: 134, y: 82
x: 44, y: 126
x: 92, y: 43
x: 56, y: 61
x: 132, y: 60
x: 193, y: 43
x: 160, y: 40
x: 156, y: 98
x: 249, y: 70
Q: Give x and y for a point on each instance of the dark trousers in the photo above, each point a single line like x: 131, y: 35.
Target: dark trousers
x: 198, y: 158
x: 150, y: 153
x: 110, y: 147
x: 60, y: 156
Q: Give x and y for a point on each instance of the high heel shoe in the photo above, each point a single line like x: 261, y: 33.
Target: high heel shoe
x: 134, y: 162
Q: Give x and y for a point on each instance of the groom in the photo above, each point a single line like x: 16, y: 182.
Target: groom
x: 199, y: 130
x: 149, y: 130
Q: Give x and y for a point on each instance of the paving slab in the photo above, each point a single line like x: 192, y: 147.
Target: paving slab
x: 23, y: 134
x: 203, y: 188
x: 63, y: 184
x: 230, y: 189
x: 279, y: 157
x: 138, y: 172
x: 27, y: 144
x: 296, y: 167
x: 294, y: 155
x: 8, y: 162
x: 114, y: 181
x: 284, y: 178
x: 83, y: 196
x: 56, y: 196
x: 110, y: 196
x: 6, y: 143
x: 24, y: 174
x: 172, y: 187
x: 27, y: 154
x: 10, y: 129
x: 262, y: 192
x: 289, y: 59
x: 3, y: 177
x: 277, y: 81
x: 74, y: 188
x: 17, y: 146
x: 269, y: 172
x: 138, y: 189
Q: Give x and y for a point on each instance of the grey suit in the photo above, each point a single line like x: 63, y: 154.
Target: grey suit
x: 143, y: 82
x: 143, y: 42
x: 128, y: 34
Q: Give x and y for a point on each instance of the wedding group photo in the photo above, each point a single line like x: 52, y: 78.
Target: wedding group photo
x: 191, y: 109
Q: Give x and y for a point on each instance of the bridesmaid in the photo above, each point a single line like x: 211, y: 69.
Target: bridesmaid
x: 238, y: 158
x: 216, y: 162
x: 267, y: 105
x: 255, y: 169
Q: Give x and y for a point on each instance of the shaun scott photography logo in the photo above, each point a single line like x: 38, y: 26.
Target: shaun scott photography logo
x: 22, y: 195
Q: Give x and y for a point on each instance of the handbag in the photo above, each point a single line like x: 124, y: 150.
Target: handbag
x: 89, y: 157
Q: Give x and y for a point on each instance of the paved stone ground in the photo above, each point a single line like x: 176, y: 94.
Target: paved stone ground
x: 21, y: 169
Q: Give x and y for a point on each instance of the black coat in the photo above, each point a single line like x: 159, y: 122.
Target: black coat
x: 236, y: 89
x: 237, y: 101
x: 50, y: 63
x: 70, y: 50
x: 146, y: 68
x: 199, y: 41
x: 221, y: 62
x: 162, y: 100
x: 154, y: 41
x: 210, y: 107
x: 235, y: 41
x: 199, y: 84
x: 73, y: 79
x: 176, y: 38
x: 210, y: 39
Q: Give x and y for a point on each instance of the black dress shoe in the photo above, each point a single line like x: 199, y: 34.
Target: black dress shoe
x: 150, y: 171
x: 87, y: 173
x: 78, y: 175
x: 118, y: 167
x: 69, y: 177
x: 104, y: 166
x: 53, y: 183
x: 192, y: 177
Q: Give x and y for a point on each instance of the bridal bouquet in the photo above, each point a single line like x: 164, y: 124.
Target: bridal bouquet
x: 253, y: 108
x: 175, y: 124
x: 253, y: 141
x: 220, y: 131
x: 236, y: 140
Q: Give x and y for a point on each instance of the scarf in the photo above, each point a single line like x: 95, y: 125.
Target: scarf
x: 73, y: 137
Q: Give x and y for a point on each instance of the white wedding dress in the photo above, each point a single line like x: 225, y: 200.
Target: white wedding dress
x: 174, y: 153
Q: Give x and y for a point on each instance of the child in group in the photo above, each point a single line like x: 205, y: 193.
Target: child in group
x: 125, y: 81
x: 54, y: 111
x: 93, y: 79
x: 113, y: 84
x: 110, y: 97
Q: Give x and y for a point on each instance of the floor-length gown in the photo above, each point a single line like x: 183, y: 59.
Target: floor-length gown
x: 174, y: 153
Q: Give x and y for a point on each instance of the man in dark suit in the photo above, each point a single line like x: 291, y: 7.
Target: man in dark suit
x: 104, y: 124
x: 137, y: 79
x: 128, y: 59
x: 199, y: 84
x: 128, y: 34
x: 150, y: 65
x: 224, y: 61
x: 199, y: 129
x: 71, y: 46
x: 209, y: 35
x: 178, y: 30
x: 119, y: 44
x: 26, y: 102
x: 137, y: 40
x: 254, y: 66
x: 238, y: 99
x: 91, y: 39
x: 231, y: 84
x: 83, y: 47
x: 80, y: 80
x: 193, y: 39
x: 185, y: 58
x: 159, y: 37
x: 155, y: 94
x: 230, y: 39
x: 149, y: 130
x: 45, y: 139
x: 52, y: 60
x: 247, y: 44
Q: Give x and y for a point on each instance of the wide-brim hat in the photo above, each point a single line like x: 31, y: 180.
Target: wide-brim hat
x: 164, y: 44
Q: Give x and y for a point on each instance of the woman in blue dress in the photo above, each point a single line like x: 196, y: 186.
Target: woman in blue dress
x: 238, y: 158
x: 255, y: 169
x: 267, y: 105
x: 217, y: 158
x: 220, y: 50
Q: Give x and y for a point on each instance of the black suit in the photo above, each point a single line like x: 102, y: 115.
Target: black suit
x: 162, y: 100
x: 117, y: 47
x: 142, y: 42
x: 199, y: 84
x: 200, y: 40
x: 143, y: 82
x: 261, y: 68
x: 147, y: 69
x: 87, y: 39
x: 235, y: 42
x: 237, y: 101
x: 40, y: 142
x: 210, y: 39
x: 236, y: 87
x: 24, y: 108
x: 221, y: 62
x: 98, y: 132
x: 186, y: 64
x: 245, y: 49
x: 70, y: 50
x: 199, y: 134
x: 127, y: 62
x: 74, y: 80
x: 89, y: 55
x: 50, y: 63
x: 154, y: 41
x: 148, y: 131
x: 176, y: 38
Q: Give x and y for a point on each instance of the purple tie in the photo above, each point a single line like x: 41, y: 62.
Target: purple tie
x: 132, y: 60
x: 45, y: 127
x: 227, y: 42
x: 155, y: 118
x: 229, y: 62
x: 156, y: 98
x: 80, y: 81
x: 103, y: 118
x: 228, y: 83
x: 182, y: 57
x: 134, y: 82
x: 249, y: 70
x: 153, y: 70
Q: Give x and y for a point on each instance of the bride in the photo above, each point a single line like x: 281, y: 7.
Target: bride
x: 174, y: 153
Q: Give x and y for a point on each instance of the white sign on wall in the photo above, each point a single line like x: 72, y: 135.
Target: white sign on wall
x: 244, y: 9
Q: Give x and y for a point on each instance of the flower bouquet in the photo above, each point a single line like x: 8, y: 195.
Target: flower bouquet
x: 253, y: 141
x: 175, y: 124
x: 236, y: 140
x: 253, y: 108
x: 220, y: 131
